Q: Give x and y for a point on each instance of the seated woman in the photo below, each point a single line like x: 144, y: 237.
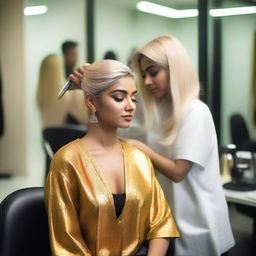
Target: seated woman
x: 101, y: 194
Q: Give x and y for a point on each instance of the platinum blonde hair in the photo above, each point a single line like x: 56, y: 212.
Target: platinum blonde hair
x: 168, y: 52
x: 102, y: 74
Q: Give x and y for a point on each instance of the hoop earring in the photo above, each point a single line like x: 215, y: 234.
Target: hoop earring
x: 93, y: 119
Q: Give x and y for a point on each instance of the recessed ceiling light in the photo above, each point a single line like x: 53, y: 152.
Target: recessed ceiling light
x: 233, y: 11
x: 161, y: 10
x: 35, y: 10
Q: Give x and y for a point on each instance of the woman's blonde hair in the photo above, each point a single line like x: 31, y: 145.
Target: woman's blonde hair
x: 168, y: 52
x: 102, y: 74
x: 51, y: 79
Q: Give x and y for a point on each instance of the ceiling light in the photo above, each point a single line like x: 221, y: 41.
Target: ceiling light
x: 233, y: 11
x: 161, y: 10
x: 35, y: 10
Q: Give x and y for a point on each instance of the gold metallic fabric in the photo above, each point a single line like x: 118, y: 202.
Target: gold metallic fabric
x: 81, y: 211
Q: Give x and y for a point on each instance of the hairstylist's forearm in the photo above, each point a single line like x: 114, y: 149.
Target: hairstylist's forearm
x: 158, y: 246
x: 175, y: 170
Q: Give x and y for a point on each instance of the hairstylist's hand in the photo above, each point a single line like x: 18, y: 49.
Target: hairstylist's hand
x: 132, y: 142
x: 77, y: 77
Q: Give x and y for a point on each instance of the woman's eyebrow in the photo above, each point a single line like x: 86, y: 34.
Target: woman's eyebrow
x: 143, y: 72
x: 119, y: 90
x: 122, y: 91
x: 157, y: 66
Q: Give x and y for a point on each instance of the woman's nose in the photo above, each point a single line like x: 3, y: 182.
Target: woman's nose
x: 130, y: 106
x: 147, y: 80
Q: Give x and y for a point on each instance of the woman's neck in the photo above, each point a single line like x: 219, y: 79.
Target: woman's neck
x: 102, y: 136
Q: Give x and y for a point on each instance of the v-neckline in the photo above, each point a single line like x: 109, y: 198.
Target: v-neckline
x: 104, y: 179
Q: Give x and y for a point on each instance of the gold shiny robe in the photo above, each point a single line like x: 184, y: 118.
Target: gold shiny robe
x: 81, y: 211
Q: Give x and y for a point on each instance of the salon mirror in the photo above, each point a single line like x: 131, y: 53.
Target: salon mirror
x: 121, y: 27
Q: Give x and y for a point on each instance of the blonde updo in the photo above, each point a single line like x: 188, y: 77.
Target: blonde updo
x: 102, y: 74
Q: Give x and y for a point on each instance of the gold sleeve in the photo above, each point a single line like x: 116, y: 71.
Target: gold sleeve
x: 61, y: 199
x: 161, y: 221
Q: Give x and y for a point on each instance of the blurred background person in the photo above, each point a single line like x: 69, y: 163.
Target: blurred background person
x: 69, y: 50
x: 110, y: 55
x: 55, y: 112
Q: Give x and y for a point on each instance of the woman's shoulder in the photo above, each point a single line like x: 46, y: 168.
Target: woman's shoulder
x: 198, y: 108
x: 132, y: 149
x: 63, y: 162
x: 197, y: 104
x: 67, y: 152
x: 136, y: 155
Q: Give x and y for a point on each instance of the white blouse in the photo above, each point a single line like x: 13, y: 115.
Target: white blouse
x: 198, y: 201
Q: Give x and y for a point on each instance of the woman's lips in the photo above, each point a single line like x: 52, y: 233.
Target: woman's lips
x: 128, y: 117
x: 153, y: 90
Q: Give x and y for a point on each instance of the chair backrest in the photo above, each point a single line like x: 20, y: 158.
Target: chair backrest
x: 239, y: 130
x: 57, y: 137
x: 24, y: 224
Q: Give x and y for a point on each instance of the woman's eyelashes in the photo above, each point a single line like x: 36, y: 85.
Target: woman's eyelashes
x: 151, y: 73
x: 120, y: 99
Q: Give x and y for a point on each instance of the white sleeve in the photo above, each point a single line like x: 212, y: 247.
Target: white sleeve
x: 197, y: 136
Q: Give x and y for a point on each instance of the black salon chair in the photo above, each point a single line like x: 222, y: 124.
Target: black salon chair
x: 24, y: 224
x: 56, y: 137
x: 240, y: 134
x: 241, y: 138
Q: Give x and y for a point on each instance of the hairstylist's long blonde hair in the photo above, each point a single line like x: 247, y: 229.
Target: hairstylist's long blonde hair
x: 51, y: 79
x: 168, y: 52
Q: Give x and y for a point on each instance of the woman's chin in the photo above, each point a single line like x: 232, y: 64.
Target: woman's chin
x: 127, y: 125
